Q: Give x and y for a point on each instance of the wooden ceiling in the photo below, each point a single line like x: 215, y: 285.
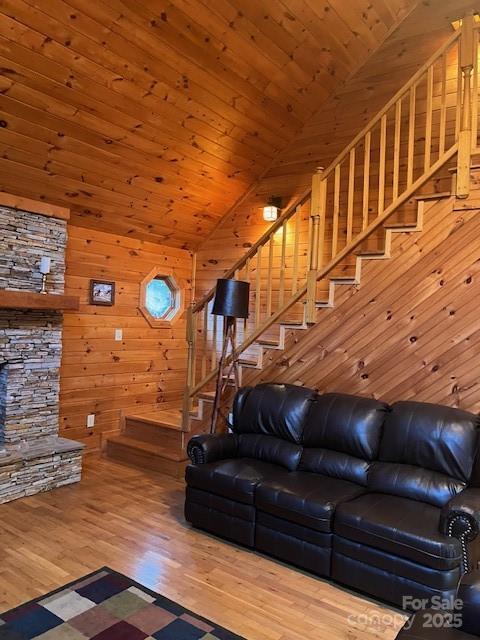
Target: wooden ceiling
x: 151, y: 118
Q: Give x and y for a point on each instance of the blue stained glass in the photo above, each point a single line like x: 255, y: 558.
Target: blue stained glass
x: 158, y: 298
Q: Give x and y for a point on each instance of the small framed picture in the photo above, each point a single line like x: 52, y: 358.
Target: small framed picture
x: 102, y: 292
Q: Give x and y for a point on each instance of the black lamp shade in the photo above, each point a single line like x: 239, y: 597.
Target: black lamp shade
x: 231, y: 298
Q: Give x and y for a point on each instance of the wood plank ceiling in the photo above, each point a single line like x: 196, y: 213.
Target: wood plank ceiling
x: 150, y: 118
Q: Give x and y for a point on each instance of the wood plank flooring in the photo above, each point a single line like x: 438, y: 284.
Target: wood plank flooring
x: 133, y: 522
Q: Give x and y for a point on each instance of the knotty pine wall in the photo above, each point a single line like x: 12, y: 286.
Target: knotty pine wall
x: 411, y: 330
x: 100, y: 375
x: 330, y: 130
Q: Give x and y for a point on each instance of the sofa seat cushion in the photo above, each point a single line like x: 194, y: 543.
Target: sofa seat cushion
x: 403, y: 527
x: 308, y: 499
x: 235, y: 479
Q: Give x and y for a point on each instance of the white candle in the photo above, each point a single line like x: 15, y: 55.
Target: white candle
x: 45, y: 265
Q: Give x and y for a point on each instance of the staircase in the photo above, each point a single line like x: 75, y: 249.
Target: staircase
x: 376, y: 187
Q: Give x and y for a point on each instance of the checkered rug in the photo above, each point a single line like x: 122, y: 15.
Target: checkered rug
x: 107, y: 606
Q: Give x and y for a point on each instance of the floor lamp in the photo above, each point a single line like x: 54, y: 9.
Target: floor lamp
x: 231, y: 302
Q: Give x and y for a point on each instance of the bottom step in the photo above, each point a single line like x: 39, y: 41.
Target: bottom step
x: 169, y: 460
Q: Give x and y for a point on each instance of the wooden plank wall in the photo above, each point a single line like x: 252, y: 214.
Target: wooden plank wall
x: 328, y: 132
x: 411, y: 329
x: 268, y: 290
x: 100, y: 375
x: 151, y: 119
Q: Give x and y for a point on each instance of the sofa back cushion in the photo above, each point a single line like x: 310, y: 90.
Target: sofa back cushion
x: 342, y: 436
x: 408, y: 481
x: 273, y: 409
x: 427, y: 452
x: 269, y: 449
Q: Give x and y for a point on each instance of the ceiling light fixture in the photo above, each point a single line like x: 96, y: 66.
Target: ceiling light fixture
x: 270, y: 211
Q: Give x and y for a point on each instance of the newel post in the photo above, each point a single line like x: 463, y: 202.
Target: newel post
x: 191, y: 338
x: 467, y: 54
x: 317, y: 214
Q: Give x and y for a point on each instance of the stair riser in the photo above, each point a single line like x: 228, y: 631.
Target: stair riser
x: 152, y: 433
x: 144, y: 460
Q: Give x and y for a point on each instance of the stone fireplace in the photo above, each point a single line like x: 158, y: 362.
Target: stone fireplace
x: 33, y: 457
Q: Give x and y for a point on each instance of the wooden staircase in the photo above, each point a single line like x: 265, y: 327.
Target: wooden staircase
x: 156, y: 439
x: 349, y: 216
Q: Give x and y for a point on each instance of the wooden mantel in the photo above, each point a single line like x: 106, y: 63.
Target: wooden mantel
x: 31, y: 300
x: 34, y: 206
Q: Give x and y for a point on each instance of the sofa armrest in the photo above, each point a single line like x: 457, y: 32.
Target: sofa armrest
x: 208, y: 448
x: 460, y: 518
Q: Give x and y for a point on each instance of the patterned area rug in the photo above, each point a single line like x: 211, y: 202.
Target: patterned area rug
x: 107, y: 605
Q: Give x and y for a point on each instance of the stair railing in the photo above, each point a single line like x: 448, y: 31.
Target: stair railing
x: 432, y: 118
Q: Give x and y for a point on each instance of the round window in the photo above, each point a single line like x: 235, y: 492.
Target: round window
x: 160, y: 298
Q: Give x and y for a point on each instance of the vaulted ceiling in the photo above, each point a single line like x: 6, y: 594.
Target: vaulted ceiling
x: 151, y: 118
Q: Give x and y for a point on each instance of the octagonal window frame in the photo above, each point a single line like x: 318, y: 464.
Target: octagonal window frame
x: 177, y: 289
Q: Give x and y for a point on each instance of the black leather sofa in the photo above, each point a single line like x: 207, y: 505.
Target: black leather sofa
x: 381, y: 498
x: 461, y: 622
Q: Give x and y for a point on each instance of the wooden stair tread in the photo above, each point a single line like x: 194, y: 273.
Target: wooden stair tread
x: 369, y: 252
x: 269, y: 343
x: 433, y: 195
x: 153, y: 449
x: 167, y: 418
x: 401, y: 225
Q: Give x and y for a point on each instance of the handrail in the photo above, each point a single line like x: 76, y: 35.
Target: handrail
x: 331, y: 167
x: 377, y: 172
x: 286, y: 215
x: 400, y: 93
x: 379, y: 221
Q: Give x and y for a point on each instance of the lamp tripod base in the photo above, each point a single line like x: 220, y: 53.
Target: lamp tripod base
x: 227, y: 370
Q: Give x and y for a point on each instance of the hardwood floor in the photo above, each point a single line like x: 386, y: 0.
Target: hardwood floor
x: 132, y: 521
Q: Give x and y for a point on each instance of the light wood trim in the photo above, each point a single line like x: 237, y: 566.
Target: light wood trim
x: 465, y: 135
x: 34, y: 206
x: 269, y: 276
x: 411, y: 133
x: 281, y: 293
x: 258, y: 287
x: 33, y: 300
x: 381, y: 170
x: 323, y: 222
x: 443, y: 106
x: 247, y: 270
x: 458, y: 102
x: 366, y: 181
x: 205, y: 341
x: 467, y: 41
x: 351, y: 194
x: 191, y: 340
x: 475, y: 96
x: 396, y: 148
x: 213, y: 362
x: 296, y: 242
x: 317, y: 213
x: 428, y: 120
x: 336, y: 208
x: 179, y: 285
x: 194, y: 278
x: 309, y: 242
